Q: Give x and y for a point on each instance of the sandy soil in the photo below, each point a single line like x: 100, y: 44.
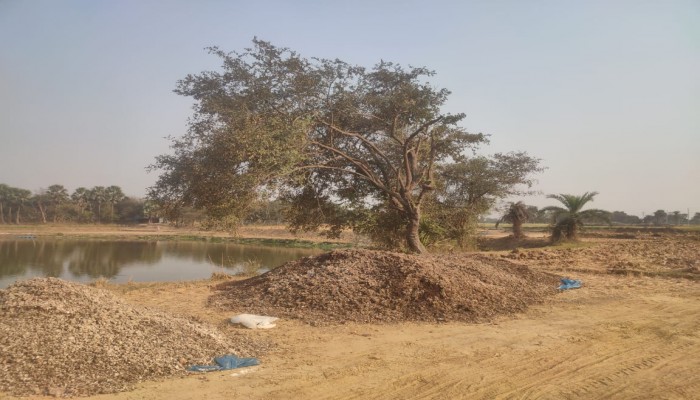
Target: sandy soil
x: 616, y: 338
x: 620, y: 336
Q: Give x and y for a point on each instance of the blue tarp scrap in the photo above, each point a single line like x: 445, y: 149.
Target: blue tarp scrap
x: 567, y: 283
x: 229, y: 361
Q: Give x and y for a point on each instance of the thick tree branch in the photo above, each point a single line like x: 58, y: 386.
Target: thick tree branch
x: 357, y: 163
x: 366, y: 142
x: 423, y: 127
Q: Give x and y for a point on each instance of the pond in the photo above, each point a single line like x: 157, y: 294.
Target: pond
x: 137, y: 261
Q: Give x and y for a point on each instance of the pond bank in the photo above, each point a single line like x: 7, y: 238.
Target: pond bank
x: 268, y: 235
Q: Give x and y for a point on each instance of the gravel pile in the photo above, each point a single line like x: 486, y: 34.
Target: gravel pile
x: 372, y: 286
x: 67, y: 339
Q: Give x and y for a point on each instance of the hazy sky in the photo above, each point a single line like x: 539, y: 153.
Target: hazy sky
x: 607, y: 93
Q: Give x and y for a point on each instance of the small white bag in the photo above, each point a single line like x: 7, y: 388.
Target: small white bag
x: 254, y: 321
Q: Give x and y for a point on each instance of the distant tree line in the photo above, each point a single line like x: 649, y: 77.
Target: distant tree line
x: 657, y: 218
x: 101, y: 204
x: 55, y: 204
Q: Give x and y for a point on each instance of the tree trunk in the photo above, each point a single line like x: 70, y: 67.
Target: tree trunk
x: 2, y: 216
x: 43, y: 212
x: 17, y: 214
x: 412, y: 236
x: 572, y: 231
x: 517, y: 229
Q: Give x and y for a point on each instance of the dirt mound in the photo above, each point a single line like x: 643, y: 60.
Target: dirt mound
x: 371, y: 286
x: 67, y: 339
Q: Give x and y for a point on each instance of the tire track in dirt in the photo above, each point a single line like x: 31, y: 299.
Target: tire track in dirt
x: 628, y: 347
x: 592, y: 377
x: 664, y: 368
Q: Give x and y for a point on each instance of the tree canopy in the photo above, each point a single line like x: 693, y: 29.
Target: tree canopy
x: 337, y: 141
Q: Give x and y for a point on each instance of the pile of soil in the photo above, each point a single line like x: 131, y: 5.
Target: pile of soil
x: 373, y: 286
x: 67, y: 339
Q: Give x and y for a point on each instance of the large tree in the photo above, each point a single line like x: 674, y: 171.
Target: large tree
x: 471, y: 186
x: 660, y: 217
x: 339, y: 137
x: 478, y: 182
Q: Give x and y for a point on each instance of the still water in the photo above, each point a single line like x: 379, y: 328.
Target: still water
x: 138, y: 261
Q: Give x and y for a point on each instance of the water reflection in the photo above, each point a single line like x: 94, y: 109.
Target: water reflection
x: 85, y: 260
x: 106, y: 259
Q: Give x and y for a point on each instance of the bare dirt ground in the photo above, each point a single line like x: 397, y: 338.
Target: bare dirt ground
x: 625, y: 334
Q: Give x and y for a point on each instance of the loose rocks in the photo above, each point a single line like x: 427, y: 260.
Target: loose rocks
x: 66, y: 339
x: 372, y: 286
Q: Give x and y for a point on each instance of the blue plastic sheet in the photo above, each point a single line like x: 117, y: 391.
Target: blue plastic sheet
x: 229, y: 361
x: 567, y: 283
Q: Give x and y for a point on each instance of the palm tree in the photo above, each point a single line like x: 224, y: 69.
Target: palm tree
x: 81, y: 199
x: 57, y: 195
x: 97, y: 196
x: 567, y: 221
x: 113, y: 195
x: 516, y: 214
